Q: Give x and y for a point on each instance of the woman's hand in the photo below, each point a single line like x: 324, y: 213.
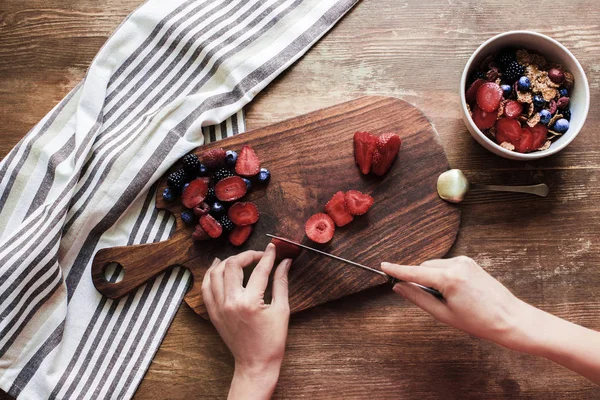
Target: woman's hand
x: 255, y: 332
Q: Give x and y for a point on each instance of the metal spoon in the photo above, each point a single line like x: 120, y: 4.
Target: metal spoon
x: 453, y: 186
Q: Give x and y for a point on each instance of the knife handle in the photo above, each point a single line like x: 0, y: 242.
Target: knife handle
x: 435, y: 293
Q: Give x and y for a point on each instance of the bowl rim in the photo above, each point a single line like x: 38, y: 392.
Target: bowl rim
x: 508, y: 153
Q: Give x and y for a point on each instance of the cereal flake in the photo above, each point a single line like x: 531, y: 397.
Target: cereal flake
x: 555, y: 118
x: 533, y: 121
x: 546, y: 145
x: 507, y: 146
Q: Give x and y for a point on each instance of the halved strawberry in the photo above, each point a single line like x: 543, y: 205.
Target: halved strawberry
x: 337, y: 211
x: 285, y: 250
x: 212, y: 227
x: 357, y: 203
x: 194, y: 193
x: 540, y: 136
x: 240, y: 234
x: 247, y: 163
x: 489, y: 96
x: 525, y: 145
x: 513, y: 109
x: 200, y: 234
x: 201, y: 209
x: 243, y: 213
x: 386, y: 153
x: 320, y: 228
x: 482, y: 119
x: 508, y: 130
x: 230, y: 189
x: 213, y: 158
x: 471, y: 95
x: 364, y: 147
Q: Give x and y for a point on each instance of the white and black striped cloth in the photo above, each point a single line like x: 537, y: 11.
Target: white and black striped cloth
x: 174, y: 75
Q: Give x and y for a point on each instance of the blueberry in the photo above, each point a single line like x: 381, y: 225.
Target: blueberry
x: 264, y: 175
x: 185, y: 187
x: 566, y: 114
x: 561, y: 126
x: 248, y: 183
x: 538, y: 101
x: 563, y: 92
x: 506, y: 91
x: 168, y: 194
x: 202, y: 170
x: 217, y: 209
x: 188, y: 217
x: 524, y: 84
x: 231, y: 157
x: 545, y: 116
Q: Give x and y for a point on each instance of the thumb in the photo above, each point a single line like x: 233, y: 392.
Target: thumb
x: 280, y: 283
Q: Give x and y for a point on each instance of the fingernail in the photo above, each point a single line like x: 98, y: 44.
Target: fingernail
x: 270, y: 246
x: 398, y: 289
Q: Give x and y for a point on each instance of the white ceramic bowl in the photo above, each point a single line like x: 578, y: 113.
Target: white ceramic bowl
x: 553, y: 52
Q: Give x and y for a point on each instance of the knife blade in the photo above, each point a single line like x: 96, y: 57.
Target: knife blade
x: 391, y: 279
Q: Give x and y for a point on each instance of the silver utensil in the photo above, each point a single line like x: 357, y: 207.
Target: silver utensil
x: 391, y: 279
x: 453, y: 186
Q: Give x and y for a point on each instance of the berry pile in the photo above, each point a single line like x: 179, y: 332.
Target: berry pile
x: 524, y: 88
x: 211, y: 187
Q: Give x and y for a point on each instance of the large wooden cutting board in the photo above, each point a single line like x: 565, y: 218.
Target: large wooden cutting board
x: 311, y: 158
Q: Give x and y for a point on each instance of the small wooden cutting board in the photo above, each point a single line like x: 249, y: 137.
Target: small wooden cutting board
x: 310, y: 158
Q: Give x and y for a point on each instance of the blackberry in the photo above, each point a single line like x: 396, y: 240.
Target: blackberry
x: 226, y: 223
x: 506, y: 57
x: 210, y: 196
x: 191, y: 164
x: 566, y: 114
x: 222, y: 174
x: 479, y: 75
x: 513, y: 72
x: 176, y: 179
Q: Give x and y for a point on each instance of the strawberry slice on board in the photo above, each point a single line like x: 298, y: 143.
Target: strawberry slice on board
x: 285, y: 250
x: 513, y: 109
x: 240, y: 234
x: 388, y: 146
x: 364, y: 147
x: 230, y: 189
x: 213, y: 158
x: 508, y: 130
x: 320, y: 228
x: 471, y: 95
x: 194, y: 193
x: 357, y: 203
x: 211, y: 226
x: 489, y: 96
x: 482, y: 119
x: 336, y: 209
x: 247, y: 163
x: 243, y: 213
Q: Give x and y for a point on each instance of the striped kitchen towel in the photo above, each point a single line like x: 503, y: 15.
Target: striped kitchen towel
x: 174, y: 75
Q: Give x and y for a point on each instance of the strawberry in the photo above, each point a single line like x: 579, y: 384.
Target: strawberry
x: 508, y: 130
x: 201, y: 209
x: 285, y: 250
x: 213, y: 158
x: 364, y: 147
x: 513, y: 109
x: 243, y: 213
x: 337, y: 211
x: 540, y: 135
x: 240, y: 234
x: 489, y: 96
x: 386, y: 153
x: 230, y: 189
x: 212, y: 227
x: 247, y: 163
x: 525, y: 145
x: 482, y: 119
x: 320, y: 228
x: 194, y: 193
x: 357, y: 203
x: 200, y: 234
x: 471, y: 94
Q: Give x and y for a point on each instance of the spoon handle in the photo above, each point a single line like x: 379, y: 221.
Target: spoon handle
x: 538, y: 190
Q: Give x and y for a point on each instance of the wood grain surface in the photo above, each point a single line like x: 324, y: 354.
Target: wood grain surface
x: 311, y: 158
x: 374, y: 344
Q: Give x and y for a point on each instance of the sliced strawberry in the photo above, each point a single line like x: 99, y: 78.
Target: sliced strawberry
x: 247, y: 163
x: 320, y: 228
x: 526, y: 143
x: 482, y: 119
x: 285, y: 250
x: 471, y: 94
x: 201, y: 209
x: 240, y: 234
x: 212, y: 227
x: 388, y: 146
x: 200, y: 234
x: 540, y: 136
x: 213, y: 158
x: 243, y: 213
x: 194, y: 193
x: 357, y: 203
x: 508, y: 130
x: 489, y: 96
x: 513, y: 109
x: 337, y: 211
x: 364, y: 147
x: 230, y: 188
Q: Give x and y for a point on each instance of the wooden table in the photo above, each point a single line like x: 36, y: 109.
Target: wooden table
x: 375, y: 344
